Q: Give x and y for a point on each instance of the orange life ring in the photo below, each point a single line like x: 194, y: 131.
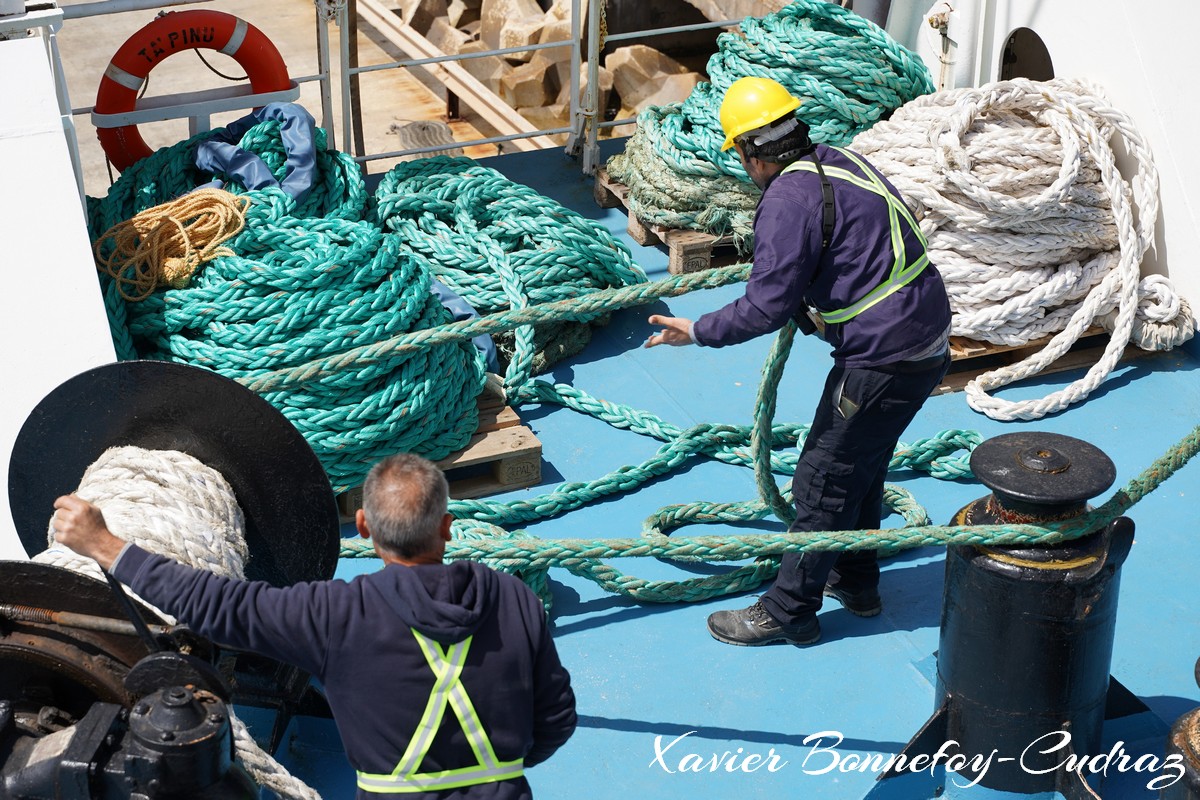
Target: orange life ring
x: 169, y: 34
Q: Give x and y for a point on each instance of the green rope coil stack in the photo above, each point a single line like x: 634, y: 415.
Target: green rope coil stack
x: 316, y: 278
x: 171, y: 172
x: 847, y: 72
x: 310, y: 279
x: 303, y: 288
x: 500, y: 245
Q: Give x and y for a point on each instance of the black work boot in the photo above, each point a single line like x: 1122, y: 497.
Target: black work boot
x: 753, y: 626
x: 861, y: 602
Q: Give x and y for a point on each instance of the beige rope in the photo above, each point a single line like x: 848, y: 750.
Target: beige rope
x: 166, y: 244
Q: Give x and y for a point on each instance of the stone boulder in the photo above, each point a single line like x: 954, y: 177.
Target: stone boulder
x: 510, y: 23
x: 420, y: 14
x: 638, y: 72
x: 488, y: 70
x: 532, y: 84
x: 463, y: 12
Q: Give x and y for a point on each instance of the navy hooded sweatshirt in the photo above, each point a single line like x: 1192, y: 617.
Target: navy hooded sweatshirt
x: 356, y: 638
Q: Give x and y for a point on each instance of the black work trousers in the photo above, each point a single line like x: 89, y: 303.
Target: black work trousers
x: 839, y: 479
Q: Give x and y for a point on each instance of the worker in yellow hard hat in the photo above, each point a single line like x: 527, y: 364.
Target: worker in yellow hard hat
x: 833, y: 240
x: 753, y: 103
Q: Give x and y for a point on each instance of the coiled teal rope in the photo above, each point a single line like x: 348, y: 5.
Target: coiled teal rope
x: 847, y: 72
x: 500, y: 245
x: 302, y: 288
x: 170, y: 172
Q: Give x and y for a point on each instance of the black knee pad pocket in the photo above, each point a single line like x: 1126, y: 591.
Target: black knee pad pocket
x: 825, y: 488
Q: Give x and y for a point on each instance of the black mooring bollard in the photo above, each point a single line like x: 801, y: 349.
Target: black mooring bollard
x: 1027, y: 632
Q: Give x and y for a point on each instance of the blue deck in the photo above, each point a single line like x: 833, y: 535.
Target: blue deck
x: 652, y: 672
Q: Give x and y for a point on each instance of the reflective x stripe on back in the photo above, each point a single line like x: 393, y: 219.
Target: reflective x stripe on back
x: 447, y: 666
x: 902, y: 272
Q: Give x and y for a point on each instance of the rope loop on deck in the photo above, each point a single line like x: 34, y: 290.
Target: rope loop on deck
x: 531, y: 556
x: 478, y: 534
x: 480, y: 521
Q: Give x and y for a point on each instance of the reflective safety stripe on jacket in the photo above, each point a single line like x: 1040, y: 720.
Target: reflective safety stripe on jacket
x: 902, y: 272
x: 447, y: 666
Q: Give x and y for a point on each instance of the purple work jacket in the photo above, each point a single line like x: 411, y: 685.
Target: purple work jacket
x: 790, y: 268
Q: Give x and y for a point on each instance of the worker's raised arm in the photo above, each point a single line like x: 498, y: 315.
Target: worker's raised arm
x: 288, y: 623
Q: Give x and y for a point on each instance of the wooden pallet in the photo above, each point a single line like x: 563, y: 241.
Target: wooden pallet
x: 509, y: 454
x: 501, y: 456
x: 969, y: 358
x: 688, y: 251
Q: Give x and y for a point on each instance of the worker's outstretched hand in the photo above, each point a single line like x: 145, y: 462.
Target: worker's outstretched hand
x: 80, y: 526
x: 676, y: 331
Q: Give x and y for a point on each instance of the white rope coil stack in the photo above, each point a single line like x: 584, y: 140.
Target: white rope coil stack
x: 1032, y: 225
x: 170, y: 503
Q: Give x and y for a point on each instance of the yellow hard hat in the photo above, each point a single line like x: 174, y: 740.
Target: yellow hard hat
x: 750, y: 103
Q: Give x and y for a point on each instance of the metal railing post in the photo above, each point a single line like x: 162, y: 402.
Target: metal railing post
x: 64, y: 109
x: 326, y: 77
x: 591, y: 147
x: 576, y: 116
x: 343, y: 22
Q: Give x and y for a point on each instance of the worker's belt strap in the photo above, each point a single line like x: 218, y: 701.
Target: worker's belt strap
x: 902, y: 273
x: 447, y: 666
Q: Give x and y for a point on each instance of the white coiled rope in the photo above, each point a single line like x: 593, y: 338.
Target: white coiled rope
x: 1031, y: 224
x: 169, y: 503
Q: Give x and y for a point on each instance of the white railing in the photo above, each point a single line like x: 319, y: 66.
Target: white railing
x: 584, y: 122
x: 582, y: 127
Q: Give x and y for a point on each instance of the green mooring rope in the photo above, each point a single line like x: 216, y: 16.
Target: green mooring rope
x: 733, y: 444
x: 302, y: 288
x: 532, y: 557
x: 478, y: 535
x: 847, y: 72
x: 582, y: 309
x: 729, y: 443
